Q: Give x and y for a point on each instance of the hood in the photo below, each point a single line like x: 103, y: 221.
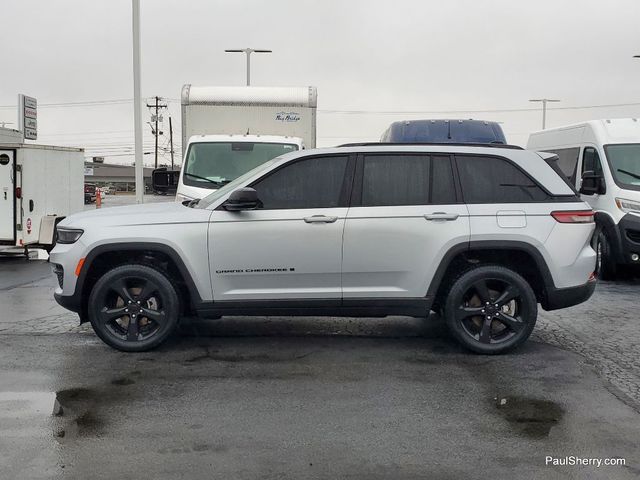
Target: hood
x: 145, y: 214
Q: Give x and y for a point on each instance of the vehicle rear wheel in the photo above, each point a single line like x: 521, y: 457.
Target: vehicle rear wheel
x: 606, y: 267
x: 491, y: 309
x: 133, y: 308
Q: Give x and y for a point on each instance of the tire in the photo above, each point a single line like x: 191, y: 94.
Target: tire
x: 134, y: 308
x: 474, y: 320
x: 606, y: 265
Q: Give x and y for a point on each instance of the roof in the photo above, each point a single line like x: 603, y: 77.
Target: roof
x: 613, y: 130
x: 248, y: 96
x: 38, y: 146
x: 487, y: 145
x: 244, y: 138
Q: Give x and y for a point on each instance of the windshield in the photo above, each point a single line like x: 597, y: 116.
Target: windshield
x: 214, y: 164
x: 624, y: 160
x: 212, y: 197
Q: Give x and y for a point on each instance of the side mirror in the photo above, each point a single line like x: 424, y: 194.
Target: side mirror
x: 245, y: 198
x: 592, y: 184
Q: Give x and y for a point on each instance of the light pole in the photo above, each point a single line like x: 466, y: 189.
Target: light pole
x: 544, y: 108
x: 248, y: 52
x: 137, y: 106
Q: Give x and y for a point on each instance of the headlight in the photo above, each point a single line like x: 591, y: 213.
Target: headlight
x: 628, y: 205
x: 69, y: 235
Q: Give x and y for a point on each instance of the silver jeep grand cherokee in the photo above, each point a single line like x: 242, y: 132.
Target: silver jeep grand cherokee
x: 479, y: 234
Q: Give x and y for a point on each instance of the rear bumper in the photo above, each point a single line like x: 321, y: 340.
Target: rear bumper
x: 557, y: 298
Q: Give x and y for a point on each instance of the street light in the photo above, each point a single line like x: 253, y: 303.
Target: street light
x: 248, y: 52
x: 137, y: 107
x: 544, y: 108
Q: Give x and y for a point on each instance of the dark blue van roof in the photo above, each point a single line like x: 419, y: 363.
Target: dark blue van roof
x: 444, y: 131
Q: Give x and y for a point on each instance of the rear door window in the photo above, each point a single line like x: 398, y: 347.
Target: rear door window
x: 486, y: 179
x: 407, y: 179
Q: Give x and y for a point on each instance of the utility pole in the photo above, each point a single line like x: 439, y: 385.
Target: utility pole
x: 156, y: 135
x: 137, y: 106
x: 154, y: 118
x: 171, y: 140
x: 248, y: 52
x: 544, y: 108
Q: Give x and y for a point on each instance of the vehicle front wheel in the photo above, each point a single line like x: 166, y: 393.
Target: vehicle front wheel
x: 133, y: 308
x: 491, y: 309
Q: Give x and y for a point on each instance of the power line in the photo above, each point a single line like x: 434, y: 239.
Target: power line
x: 501, y: 110
x: 89, y: 103
x: 78, y: 104
x: 355, y: 112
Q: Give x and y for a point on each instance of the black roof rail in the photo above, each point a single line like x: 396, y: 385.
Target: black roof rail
x: 440, y: 144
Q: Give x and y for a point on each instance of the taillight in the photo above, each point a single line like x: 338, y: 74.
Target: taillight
x: 18, y: 192
x: 578, y: 216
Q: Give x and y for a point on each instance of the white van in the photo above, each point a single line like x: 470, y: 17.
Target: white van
x: 601, y: 159
x: 212, y: 161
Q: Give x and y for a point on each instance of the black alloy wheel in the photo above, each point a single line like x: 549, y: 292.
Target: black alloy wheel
x: 491, y: 309
x: 133, y: 308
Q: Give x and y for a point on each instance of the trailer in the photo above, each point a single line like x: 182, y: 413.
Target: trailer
x: 283, y: 111
x: 39, y: 186
x: 227, y: 131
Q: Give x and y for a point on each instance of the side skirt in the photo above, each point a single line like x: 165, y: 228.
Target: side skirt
x: 351, y: 307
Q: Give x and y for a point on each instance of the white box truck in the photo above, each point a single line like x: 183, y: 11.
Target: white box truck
x: 227, y: 131
x: 39, y: 186
x: 601, y: 159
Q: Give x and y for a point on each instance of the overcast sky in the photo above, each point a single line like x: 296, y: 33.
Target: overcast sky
x: 432, y: 57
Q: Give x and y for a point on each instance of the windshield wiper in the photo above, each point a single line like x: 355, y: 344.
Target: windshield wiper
x: 215, y: 182
x: 631, y: 174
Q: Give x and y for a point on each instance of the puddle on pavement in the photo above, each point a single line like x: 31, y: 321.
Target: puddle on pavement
x: 530, y: 417
x: 25, y: 413
x: 236, y: 357
x: 122, y: 381
x: 28, y: 449
x: 78, y: 409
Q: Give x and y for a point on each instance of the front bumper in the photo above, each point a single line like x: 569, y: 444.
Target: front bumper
x: 70, y: 302
x: 557, y: 298
x: 629, y: 227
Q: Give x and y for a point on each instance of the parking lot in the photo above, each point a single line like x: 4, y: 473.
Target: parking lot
x: 274, y: 397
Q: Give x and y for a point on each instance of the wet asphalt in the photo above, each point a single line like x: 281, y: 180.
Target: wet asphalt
x: 267, y: 397
x: 311, y: 406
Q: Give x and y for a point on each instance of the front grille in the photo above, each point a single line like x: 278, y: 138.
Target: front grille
x: 634, y: 235
x: 59, y: 271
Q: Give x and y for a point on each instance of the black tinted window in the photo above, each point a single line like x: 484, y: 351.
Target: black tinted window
x: 444, y: 131
x: 407, y: 180
x: 567, y: 161
x: 494, y: 180
x: 591, y: 161
x: 313, y: 183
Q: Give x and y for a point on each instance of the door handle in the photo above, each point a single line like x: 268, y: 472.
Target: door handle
x: 320, y: 219
x: 435, y: 216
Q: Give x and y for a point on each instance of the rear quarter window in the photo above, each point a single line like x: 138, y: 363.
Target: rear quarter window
x: 566, y: 161
x: 486, y: 179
